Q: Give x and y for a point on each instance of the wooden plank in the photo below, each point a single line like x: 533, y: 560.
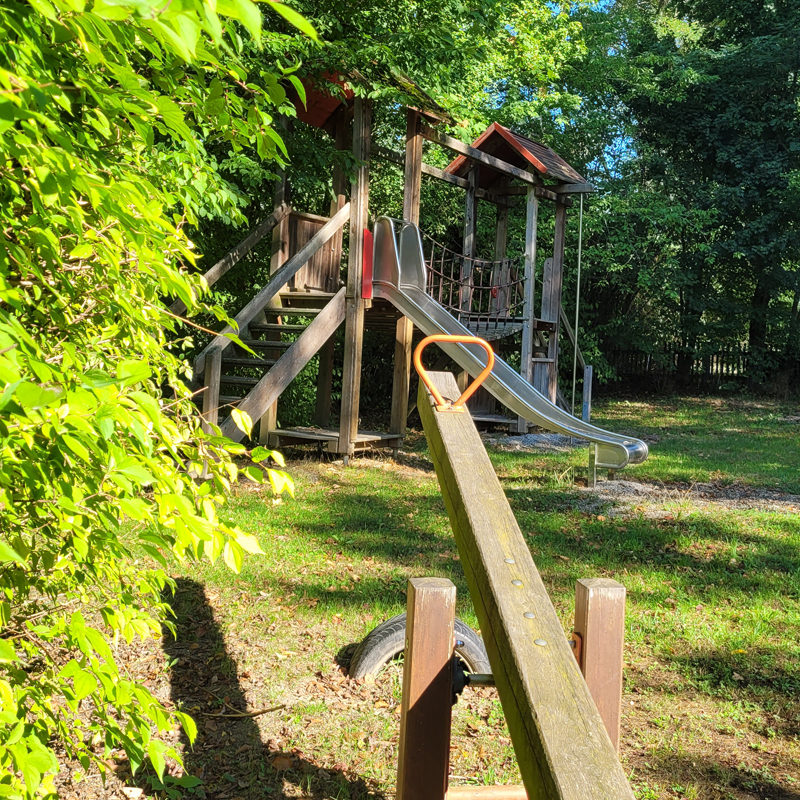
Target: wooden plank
x: 240, y: 251
x: 558, y: 188
x: 289, y: 365
x: 211, y: 394
x: 354, y: 324
x: 501, y: 792
x: 478, y: 155
x: 426, y: 707
x: 307, y: 217
x: 600, y: 622
x: 561, y: 744
x: 556, y: 198
x: 531, y: 231
x: 278, y: 280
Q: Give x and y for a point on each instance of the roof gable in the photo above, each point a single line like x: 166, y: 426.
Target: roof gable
x: 518, y: 150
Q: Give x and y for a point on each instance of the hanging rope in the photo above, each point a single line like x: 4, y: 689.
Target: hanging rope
x: 485, y: 296
x: 577, y: 308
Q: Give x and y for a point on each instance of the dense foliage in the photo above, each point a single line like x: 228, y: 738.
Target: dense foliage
x: 106, y: 114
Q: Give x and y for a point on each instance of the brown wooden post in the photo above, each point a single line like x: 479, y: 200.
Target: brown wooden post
x: 545, y: 378
x: 211, y: 376
x: 405, y: 328
x: 531, y: 230
x: 354, y: 324
x: 279, y: 256
x: 600, y: 623
x: 425, y: 718
x: 500, y: 303
x: 470, y: 226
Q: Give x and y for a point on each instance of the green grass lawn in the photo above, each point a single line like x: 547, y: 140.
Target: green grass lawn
x: 713, y: 615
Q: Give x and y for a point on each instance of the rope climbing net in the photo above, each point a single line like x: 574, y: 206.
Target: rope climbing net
x: 485, y: 296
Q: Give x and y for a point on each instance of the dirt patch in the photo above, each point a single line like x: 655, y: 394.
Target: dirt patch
x: 535, y: 442
x: 659, y: 499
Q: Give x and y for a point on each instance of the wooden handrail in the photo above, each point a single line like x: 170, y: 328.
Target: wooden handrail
x: 239, y: 252
x: 276, y: 283
x: 562, y: 746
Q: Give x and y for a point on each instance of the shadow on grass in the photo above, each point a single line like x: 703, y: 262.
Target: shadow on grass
x: 682, y: 771
x: 237, y: 757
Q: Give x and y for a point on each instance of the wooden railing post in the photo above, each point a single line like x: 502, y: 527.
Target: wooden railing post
x: 211, y: 395
x: 600, y: 624
x: 424, y: 750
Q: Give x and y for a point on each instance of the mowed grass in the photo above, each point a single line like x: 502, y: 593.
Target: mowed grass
x: 713, y: 615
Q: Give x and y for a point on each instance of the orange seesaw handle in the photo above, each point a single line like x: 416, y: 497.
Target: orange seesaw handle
x: 441, y: 403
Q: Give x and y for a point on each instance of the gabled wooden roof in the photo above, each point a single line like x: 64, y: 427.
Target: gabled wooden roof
x: 520, y: 151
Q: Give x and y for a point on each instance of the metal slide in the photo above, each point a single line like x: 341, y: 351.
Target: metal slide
x: 399, y: 276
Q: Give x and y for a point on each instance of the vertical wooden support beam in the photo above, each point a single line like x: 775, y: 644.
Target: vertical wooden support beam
x: 322, y: 412
x: 586, y: 409
x: 531, y: 229
x: 546, y: 374
x: 279, y: 256
x: 211, y: 376
x: 425, y: 718
x: 600, y: 622
x: 354, y: 321
x: 404, y: 332
x: 470, y: 227
x: 500, y: 277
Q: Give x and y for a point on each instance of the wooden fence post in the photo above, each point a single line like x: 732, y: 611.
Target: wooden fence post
x: 424, y: 751
x: 600, y: 624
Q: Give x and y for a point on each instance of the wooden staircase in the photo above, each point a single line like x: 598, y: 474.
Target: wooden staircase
x: 270, y: 340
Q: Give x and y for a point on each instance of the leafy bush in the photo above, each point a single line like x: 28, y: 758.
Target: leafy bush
x: 105, y: 114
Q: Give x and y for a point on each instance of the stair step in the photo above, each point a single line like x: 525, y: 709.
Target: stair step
x: 243, y: 361
x: 286, y: 311
x: 266, y: 344
x: 229, y: 400
x: 238, y: 380
x: 258, y: 328
x: 543, y: 360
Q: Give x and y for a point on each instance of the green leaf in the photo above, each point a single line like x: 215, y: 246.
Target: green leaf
x: 84, y: 683
x: 188, y: 725
x: 242, y: 421
x: 248, y: 542
x: 233, y: 556
x: 7, y: 652
x: 156, y: 750
x: 7, y: 553
x: 292, y: 17
x: 132, y: 372
x: 76, y: 447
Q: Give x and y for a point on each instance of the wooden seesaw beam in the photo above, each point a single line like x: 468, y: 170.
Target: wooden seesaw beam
x: 561, y: 744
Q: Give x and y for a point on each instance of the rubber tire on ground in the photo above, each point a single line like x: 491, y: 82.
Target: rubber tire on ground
x: 388, y: 641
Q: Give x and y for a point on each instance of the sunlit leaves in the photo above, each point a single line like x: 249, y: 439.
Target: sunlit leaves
x: 104, y: 144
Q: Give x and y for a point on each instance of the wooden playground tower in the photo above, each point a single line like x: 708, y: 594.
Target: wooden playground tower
x: 494, y: 299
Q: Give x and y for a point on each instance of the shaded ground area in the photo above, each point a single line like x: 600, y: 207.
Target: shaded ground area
x: 712, y: 674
